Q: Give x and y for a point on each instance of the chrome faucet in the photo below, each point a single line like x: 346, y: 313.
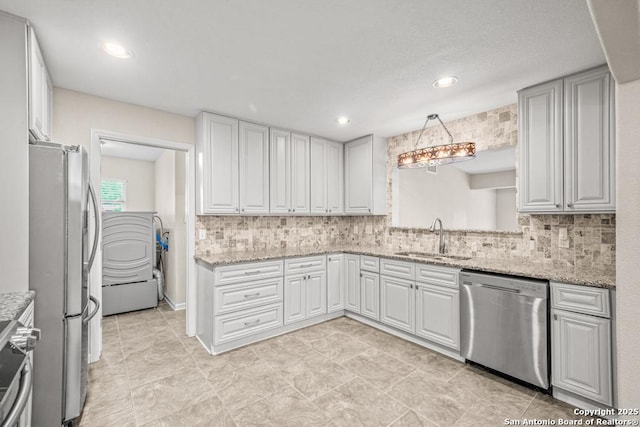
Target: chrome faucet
x: 433, y: 228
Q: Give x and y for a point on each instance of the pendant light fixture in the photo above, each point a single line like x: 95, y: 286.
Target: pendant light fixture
x: 437, y: 154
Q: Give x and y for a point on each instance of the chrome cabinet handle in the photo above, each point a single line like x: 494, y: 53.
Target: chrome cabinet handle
x: 248, y: 273
x: 96, y: 219
x: 22, y: 397
x: 252, y: 323
x: 306, y: 265
x: 257, y: 294
x: 95, y: 310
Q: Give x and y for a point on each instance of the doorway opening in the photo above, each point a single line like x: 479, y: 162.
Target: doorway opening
x: 148, y: 181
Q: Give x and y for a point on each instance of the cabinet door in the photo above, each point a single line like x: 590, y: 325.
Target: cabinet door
x: 294, y: 299
x: 335, y: 283
x: 397, y: 303
x: 254, y: 168
x: 300, y: 173
x: 280, y: 161
x: 316, y: 290
x: 335, y: 177
x: 358, y: 164
x: 438, y: 314
x: 40, y: 92
x: 581, y: 355
x: 318, y: 176
x: 352, y: 283
x: 370, y: 295
x: 540, y: 144
x: 219, y: 169
x: 589, y: 158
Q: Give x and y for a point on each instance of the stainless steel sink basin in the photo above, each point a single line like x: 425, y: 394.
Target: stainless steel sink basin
x: 427, y: 255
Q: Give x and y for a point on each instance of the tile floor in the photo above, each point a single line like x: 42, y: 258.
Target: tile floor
x: 337, y: 373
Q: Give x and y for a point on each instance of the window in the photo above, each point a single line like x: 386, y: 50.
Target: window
x: 114, y: 195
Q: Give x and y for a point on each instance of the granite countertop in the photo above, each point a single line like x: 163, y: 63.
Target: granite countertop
x: 512, y: 266
x: 13, y: 304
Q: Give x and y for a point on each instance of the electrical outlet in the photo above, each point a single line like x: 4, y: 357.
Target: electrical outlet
x: 202, y: 234
x: 563, y: 238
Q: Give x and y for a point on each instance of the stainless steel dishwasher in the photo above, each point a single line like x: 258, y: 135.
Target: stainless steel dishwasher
x: 503, y: 325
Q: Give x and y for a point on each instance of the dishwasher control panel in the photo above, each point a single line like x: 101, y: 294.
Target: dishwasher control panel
x: 525, y: 287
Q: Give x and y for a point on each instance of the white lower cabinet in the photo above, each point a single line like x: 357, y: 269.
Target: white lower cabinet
x: 438, y: 314
x: 335, y: 283
x: 397, y: 303
x: 352, y: 282
x: 581, y: 343
x: 581, y: 355
x: 305, y: 296
x: 370, y: 294
x: 294, y: 297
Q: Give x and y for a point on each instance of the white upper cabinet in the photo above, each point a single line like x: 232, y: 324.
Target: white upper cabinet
x: 567, y: 158
x: 254, y: 168
x: 327, y: 177
x: 290, y: 165
x: 540, y: 146
x: 589, y: 157
x: 40, y: 93
x: 365, y: 176
x: 217, y: 144
x: 280, y: 168
x: 300, y: 174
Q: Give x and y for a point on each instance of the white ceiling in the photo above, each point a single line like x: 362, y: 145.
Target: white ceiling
x: 302, y: 63
x: 130, y: 151
x: 489, y: 161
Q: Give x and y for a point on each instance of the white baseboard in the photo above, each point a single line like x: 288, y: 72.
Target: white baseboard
x: 173, y: 305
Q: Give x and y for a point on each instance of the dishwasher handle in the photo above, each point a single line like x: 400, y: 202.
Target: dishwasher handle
x: 494, y: 287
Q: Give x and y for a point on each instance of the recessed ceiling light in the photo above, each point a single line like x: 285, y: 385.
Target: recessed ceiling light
x: 343, y: 120
x: 117, y: 50
x: 445, y: 82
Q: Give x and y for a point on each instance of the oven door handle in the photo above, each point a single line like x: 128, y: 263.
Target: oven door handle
x: 22, y: 398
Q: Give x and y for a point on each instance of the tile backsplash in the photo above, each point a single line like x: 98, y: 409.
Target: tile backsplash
x: 585, y: 241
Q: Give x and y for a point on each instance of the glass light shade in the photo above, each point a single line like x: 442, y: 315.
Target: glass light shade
x: 437, y: 155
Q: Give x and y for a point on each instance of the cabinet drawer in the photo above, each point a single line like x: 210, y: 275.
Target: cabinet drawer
x: 370, y: 263
x: 296, y: 265
x: 241, y: 296
x: 437, y: 275
x: 243, y: 272
x: 401, y: 269
x: 233, y: 326
x: 580, y: 299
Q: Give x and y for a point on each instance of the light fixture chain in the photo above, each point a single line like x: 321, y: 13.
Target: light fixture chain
x: 445, y: 128
x: 421, y: 132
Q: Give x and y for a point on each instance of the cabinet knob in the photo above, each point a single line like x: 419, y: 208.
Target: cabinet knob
x: 329, y: 210
x: 242, y: 209
x: 360, y: 274
x: 293, y: 210
x: 288, y: 210
x: 557, y: 205
x: 326, y: 210
x: 569, y: 204
x: 555, y: 317
x: 369, y: 210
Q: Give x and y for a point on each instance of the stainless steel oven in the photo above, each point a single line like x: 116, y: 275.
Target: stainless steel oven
x: 15, y: 371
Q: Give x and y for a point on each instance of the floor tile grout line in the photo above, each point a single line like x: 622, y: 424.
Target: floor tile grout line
x: 400, y: 417
x: 527, y: 408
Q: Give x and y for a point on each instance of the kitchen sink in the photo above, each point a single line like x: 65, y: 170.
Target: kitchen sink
x: 427, y: 255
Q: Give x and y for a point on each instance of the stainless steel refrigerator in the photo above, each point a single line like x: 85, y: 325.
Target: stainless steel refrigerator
x: 60, y: 257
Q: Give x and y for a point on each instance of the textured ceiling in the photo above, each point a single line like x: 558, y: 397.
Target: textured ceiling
x: 301, y: 63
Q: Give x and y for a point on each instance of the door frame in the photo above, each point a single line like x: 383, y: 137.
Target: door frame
x: 95, y: 281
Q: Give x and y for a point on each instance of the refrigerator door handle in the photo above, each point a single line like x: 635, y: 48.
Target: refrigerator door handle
x: 86, y: 320
x: 96, y: 219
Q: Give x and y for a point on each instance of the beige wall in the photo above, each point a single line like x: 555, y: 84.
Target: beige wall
x: 140, y: 177
x: 628, y: 244
x: 75, y: 114
x: 14, y: 142
x: 170, y: 204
